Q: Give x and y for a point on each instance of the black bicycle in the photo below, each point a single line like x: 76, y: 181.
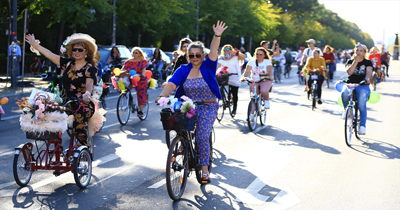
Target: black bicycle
x: 352, y: 120
x: 277, y: 72
x: 313, y: 89
x: 183, y: 156
x: 225, y: 102
x: 288, y: 68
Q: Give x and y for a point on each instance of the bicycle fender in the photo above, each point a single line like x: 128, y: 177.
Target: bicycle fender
x: 18, y: 148
x: 79, y: 150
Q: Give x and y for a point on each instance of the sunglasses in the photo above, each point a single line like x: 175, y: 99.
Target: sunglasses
x: 193, y: 55
x: 78, y: 49
x: 136, y: 53
x: 259, y: 54
x: 227, y: 49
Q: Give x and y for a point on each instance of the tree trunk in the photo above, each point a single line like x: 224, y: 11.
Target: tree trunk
x: 61, y: 36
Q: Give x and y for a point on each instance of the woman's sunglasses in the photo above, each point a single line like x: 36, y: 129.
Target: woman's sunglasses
x: 136, y: 53
x: 78, y: 49
x: 227, y: 49
x: 260, y: 54
x: 193, y: 55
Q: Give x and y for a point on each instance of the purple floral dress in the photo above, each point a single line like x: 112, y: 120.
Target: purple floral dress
x: 198, y: 90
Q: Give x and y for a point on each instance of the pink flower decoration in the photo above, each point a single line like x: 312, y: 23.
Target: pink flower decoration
x: 192, y: 111
x: 38, y: 112
x: 185, y: 98
x: 188, y: 115
x: 41, y: 106
x: 163, y: 101
x: 56, y: 103
x: 41, y: 109
x: 38, y: 121
x: 38, y: 102
x: 41, y: 115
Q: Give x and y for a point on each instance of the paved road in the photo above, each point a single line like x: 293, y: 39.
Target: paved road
x: 298, y: 161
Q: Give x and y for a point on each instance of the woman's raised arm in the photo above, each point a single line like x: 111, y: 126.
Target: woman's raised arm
x: 218, y: 30
x: 30, y: 38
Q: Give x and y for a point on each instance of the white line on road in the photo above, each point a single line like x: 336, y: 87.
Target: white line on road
x: 10, y: 117
x: 6, y: 153
x: 30, y: 188
x: 285, y: 199
x: 104, y: 179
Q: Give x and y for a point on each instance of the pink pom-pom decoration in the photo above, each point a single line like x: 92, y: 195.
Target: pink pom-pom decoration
x: 163, y: 101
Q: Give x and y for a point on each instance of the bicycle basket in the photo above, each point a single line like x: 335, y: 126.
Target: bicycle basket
x: 223, y: 79
x: 42, y: 136
x: 177, y: 121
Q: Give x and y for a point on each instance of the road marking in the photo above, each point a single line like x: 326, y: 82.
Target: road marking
x: 107, y: 126
x: 112, y: 175
x: 250, y: 194
x: 285, y: 199
x: 293, y: 86
x: 263, y: 127
x: 6, y: 153
x: 158, y: 184
x: 10, y: 117
x: 30, y: 188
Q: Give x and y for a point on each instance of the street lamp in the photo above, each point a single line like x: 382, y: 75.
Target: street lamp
x: 197, y: 23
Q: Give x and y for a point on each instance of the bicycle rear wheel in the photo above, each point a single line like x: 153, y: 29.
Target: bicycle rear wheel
x: 348, y: 125
x: 252, y: 123
x: 145, y: 110
x: 176, y: 169
x: 21, y: 168
x: 123, y: 109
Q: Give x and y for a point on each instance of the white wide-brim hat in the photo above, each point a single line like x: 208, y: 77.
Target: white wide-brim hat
x: 82, y: 38
x: 311, y: 41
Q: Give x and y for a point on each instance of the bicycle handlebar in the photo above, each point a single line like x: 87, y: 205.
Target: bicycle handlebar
x: 246, y: 79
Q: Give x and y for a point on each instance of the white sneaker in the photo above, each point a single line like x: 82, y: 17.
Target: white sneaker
x: 251, y: 118
x: 266, y: 104
x: 362, y: 130
x: 344, y: 114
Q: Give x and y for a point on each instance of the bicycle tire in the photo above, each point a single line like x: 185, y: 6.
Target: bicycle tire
x: 122, y: 106
x: 145, y: 110
x: 179, y: 170
x: 327, y: 81
x: 198, y: 169
x: 252, y: 124
x: 228, y: 102
x: 82, y: 169
x: 169, y: 134
x: 21, y: 168
x: 374, y: 80
x: 279, y: 73
x: 357, y: 122
x: 276, y: 74
x: 263, y: 113
x: 348, y: 125
x: 221, y: 109
x: 102, y: 104
x: 314, y: 97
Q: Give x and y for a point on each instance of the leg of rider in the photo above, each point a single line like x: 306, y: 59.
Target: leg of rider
x: 331, y: 69
x: 251, y: 91
x: 345, y: 98
x: 234, y: 91
x: 205, y: 121
x: 81, y: 120
x: 363, y: 92
x: 319, y: 88
x: 308, y: 84
x: 264, y: 87
x: 141, y: 92
x: 160, y: 65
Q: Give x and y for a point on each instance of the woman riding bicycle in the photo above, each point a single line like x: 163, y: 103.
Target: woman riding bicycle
x: 158, y: 63
x: 279, y: 57
x: 330, y: 60
x: 316, y: 63
x: 375, y: 58
x: 79, y: 75
x: 115, y: 58
x: 359, y: 68
x: 230, y: 59
x: 182, y: 59
x: 138, y: 63
x: 197, y: 81
x: 260, y: 65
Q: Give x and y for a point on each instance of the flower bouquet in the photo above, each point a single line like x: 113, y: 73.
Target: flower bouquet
x: 275, y: 62
x: 42, y: 118
x: 180, y: 116
x: 223, y: 76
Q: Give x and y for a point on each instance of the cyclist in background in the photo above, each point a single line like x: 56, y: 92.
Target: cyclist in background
x: 265, y: 45
x: 316, y: 62
x: 278, y: 56
x: 230, y: 59
x: 329, y: 60
x: 375, y: 58
x: 288, y: 58
x: 183, y: 44
x: 115, y: 58
x: 385, y: 59
x: 359, y: 68
x: 298, y: 59
x: 260, y: 64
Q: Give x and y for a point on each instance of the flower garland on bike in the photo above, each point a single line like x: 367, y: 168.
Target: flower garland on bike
x: 197, y: 81
x: 316, y: 63
x: 230, y: 59
x: 260, y: 66
x: 79, y: 75
x: 359, y: 68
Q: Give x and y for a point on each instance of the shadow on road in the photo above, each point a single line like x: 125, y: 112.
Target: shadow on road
x: 376, y: 148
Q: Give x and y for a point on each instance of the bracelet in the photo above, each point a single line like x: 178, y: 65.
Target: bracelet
x: 160, y: 96
x: 217, y: 35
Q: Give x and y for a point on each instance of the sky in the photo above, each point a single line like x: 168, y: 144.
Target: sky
x: 379, y: 18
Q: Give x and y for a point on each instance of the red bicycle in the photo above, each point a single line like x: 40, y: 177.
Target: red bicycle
x: 29, y: 158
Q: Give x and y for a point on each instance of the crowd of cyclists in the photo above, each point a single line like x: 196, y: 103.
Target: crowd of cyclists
x: 193, y: 69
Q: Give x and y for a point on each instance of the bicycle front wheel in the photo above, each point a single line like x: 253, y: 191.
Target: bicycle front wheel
x: 252, y: 115
x: 263, y: 113
x: 169, y: 135
x: 123, y: 109
x: 83, y: 169
x: 348, y: 125
x: 145, y: 110
x: 221, y: 109
x: 314, y: 98
x: 177, y: 169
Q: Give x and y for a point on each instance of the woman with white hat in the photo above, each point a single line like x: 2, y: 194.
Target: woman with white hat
x: 79, y: 75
